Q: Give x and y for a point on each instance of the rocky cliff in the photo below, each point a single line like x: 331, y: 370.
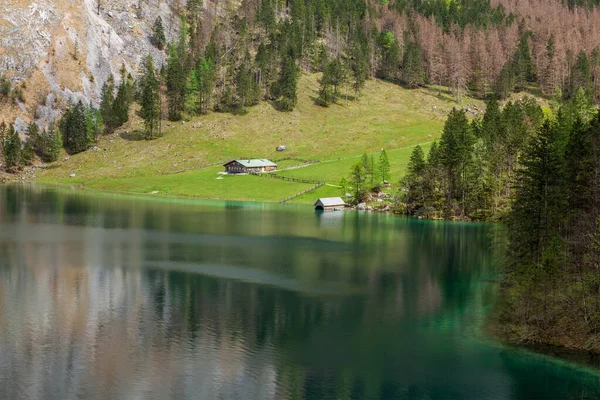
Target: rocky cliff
x: 64, y: 50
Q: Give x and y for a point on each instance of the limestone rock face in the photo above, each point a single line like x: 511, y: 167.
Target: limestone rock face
x: 64, y: 50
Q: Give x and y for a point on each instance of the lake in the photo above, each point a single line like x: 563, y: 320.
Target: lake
x: 105, y: 296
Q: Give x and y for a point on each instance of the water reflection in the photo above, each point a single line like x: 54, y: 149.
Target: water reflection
x: 109, y: 297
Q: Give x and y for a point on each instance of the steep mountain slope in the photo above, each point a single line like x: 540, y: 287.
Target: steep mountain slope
x: 58, y: 50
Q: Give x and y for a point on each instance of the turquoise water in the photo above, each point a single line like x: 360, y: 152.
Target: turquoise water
x: 113, y: 297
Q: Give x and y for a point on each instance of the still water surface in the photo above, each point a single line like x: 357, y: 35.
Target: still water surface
x: 112, y: 297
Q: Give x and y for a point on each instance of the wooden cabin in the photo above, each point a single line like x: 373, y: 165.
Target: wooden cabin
x: 249, y: 166
x: 330, y: 204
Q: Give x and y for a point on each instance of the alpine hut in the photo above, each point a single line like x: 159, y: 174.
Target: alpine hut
x: 249, y: 166
x: 330, y: 204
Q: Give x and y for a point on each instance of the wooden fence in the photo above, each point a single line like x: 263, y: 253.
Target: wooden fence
x: 317, y: 185
x: 284, y: 178
x: 302, y: 192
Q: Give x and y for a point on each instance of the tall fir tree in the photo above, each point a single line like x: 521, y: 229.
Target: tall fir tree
x: 11, y: 147
x: 73, y: 126
x: 175, y: 85
x: 286, y: 88
x: 158, y: 34
x: 106, y: 104
x: 150, y: 100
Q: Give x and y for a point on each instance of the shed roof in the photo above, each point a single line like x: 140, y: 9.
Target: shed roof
x: 330, y: 201
x: 254, y: 163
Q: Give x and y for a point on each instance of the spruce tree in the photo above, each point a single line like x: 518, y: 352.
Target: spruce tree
x: 150, y: 100
x: 524, y: 69
x: 456, y: 145
x: 413, y: 69
x: 158, y: 34
x: 175, y: 85
x: 245, y: 85
x: 52, y: 145
x: 11, y: 147
x: 413, y: 193
x: 106, y: 104
x: 286, y: 97
x: 120, y: 108
x: 581, y: 75
x: 539, y: 204
x: 206, y: 74
x: 357, y: 180
x: 384, y: 166
x: 74, y: 128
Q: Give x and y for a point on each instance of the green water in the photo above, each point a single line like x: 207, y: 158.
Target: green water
x: 112, y: 297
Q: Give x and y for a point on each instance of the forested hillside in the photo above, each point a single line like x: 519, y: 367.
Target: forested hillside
x: 228, y: 55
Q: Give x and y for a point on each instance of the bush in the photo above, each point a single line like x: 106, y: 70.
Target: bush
x: 5, y: 86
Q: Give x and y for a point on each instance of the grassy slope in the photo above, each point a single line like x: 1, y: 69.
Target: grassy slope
x: 386, y: 116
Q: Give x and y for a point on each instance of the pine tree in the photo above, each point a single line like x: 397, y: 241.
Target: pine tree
x: 367, y: 167
x: 56, y: 144
x: 539, y: 204
x: 11, y: 147
x: 359, y: 69
x: 456, y: 146
x: 106, y: 104
x: 581, y: 75
x: 384, y: 166
x: 524, y: 69
x: 506, y: 82
x: 286, y: 87
x: 206, y: 73
x: 175, y: 85
x: 150, y: 100
x: 413, y: 183
x: 34, y: 138
x: 120, y: 107
x: 73, y: 126
x: 158, y: 34
x: 325, y: 98
x: 390, y: 56
x: 413, y: 69
x: 247, y: 87
x: 357, y: 180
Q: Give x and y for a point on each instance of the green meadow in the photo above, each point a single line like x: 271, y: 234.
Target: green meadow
x: 186, y: 160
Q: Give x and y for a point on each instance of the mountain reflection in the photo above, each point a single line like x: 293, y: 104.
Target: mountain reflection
x: 113, y: 297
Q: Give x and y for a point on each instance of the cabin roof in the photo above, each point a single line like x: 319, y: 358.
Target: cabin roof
x: 254, y: 163
x: 330, y: 201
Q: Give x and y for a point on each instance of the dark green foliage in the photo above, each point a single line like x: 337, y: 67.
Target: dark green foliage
x: 106, y: 104
x: 357, y: 181
x: 334, y: 76
x: 176, y: 81
x: 390, y: 54
x: 523, y: 68
x: 506, y: 81
x: 158, y: 34
x: 470, y: 173
x: 284, y: 91
x: 359, y: 69
x: 413, y: 68
x: 27, y: 154
x: 114, y: 111
x: 5, y: 86
x: 120, y: 108
x: 456, y: 146
x: 248, y: 90
x: 150, y: 100
x: 581, y: 75
x: 76, y: 126
x: 11, y: 149
x: 383, y: 166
